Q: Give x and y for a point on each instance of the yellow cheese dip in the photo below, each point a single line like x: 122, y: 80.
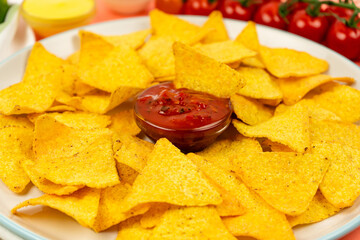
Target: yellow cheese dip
x: 57, y: 9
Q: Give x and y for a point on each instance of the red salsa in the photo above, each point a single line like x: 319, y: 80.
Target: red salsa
x: 191, y: 120
x: 182, y: 108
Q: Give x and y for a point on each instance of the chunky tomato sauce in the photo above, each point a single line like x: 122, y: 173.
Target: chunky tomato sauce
x: 181, y: 109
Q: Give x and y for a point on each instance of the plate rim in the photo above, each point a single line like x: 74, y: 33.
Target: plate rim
x: 21, y: 231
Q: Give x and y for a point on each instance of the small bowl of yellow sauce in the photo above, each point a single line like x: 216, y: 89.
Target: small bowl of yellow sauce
x: 50, y: 17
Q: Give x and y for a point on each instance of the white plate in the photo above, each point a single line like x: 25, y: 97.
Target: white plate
x: 51, y: 224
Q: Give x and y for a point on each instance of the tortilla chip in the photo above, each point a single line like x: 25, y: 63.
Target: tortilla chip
x: 134, y: 40
x: 226, y: 52
x: 131, y: 229
x: 69, y: 156
x: 109, y: 212
x: 221, y: 152
x: 133, y: 152
x: 270, y: 102
x: 315, y: 111
x: 287, y: 181
x: 158, y: 57
x: 179, y: 30
x: 253, y: 62
x: 170, y: 177
x: 249, y: 37
x: 250, y: 111
x: 295, y: 89
x: 290, y: 128
x: 81, y: 205
x: 341, y: 183
x: 44, y: 184
x: 191, y: 223
x: 16, y: 137
x: 283, y: 62
x: 123, y: 122
x: 121, y: 67
x: 319, y: 209
x: 258, y: 212
x: 216, y: 24
x: 347, y: 134
x: 199, y: 72
x: 275, y: 147
x: 343, y: 100
x: 153, y: 217
x: 41, y: 62
x: 126, y: 173
x: 259, y: 84
x: 61, y: 108
x: 74, y: 58
x: 36, y: 94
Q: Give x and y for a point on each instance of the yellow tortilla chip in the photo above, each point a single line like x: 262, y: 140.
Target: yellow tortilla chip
x: 226, y: 52
x: 153, y: 217
x: 290, y: 128
x: 275, y: 147
x: 158, y: 57
x: 81, y: 205
x: 199, y: 72
x: 41, y: 62
x: 179, y: 30
x: 319, y: 209
x: 126, y: 173
x: 170, y: 177
x: 221, y: 152
x: 259, y: 84
x: 270, y: 102
x: 44, y: 184
x: 109, y: 212
x: 36, y: 94
x: 249, y: 37
x: 295, y: 89
x: 253, y: 62
x: 283, y: 62
x: 133, y: 152
x: 343, y: 100
x: 61, y: 108
x: 287, y: 181
x: 347, y: 134
x: 315, y: 111
x: 121, y: 67
x: 257, y: 212
x: 249, y: 110
x: 191, y: 223
x: 123, y: 121
x: 341, y: 183
x: 15, y: 146
x: 216, y: 24
x: 134, y: 40
x: 131, y: 229
x: 74, y: 58
x: 69, y: 156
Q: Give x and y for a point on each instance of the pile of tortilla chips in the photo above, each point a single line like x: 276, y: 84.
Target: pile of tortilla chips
x: 294, y: 157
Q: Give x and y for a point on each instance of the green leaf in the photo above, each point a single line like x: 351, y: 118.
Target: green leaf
x: 4, y: 7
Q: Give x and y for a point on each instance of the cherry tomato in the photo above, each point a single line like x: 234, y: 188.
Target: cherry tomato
x: 169, y: 6
x: 313, y: 28
x: 200, y: 7
x: 268, y: 14
x: 234, y: 9
x: 339, y: 11
x: 344, y: 40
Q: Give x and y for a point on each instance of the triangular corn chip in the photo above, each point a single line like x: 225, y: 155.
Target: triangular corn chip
x: 131, y: 229
x: 123, y: 122
x: 152, y: 217
x: 199, y: 72
x: 15, y: 147
x: 81, y: 205
x: 216, y: 24
x: 249, y: 37
x: 221, y: 152
x: 191, y: 223
x: 343, y: 100
x: 341, y: 183
x: 319, y: 209
x: 226, y: 51
x: 283, y: 62
x: 134, y: 40
x: 69, y: 156
x: 295, y: 89
x: 171, y: 177
x: 109, y: 212
x: 249, y: 110
x: 259, y: 84
x: 287, y: 181
x: 290, y: 128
